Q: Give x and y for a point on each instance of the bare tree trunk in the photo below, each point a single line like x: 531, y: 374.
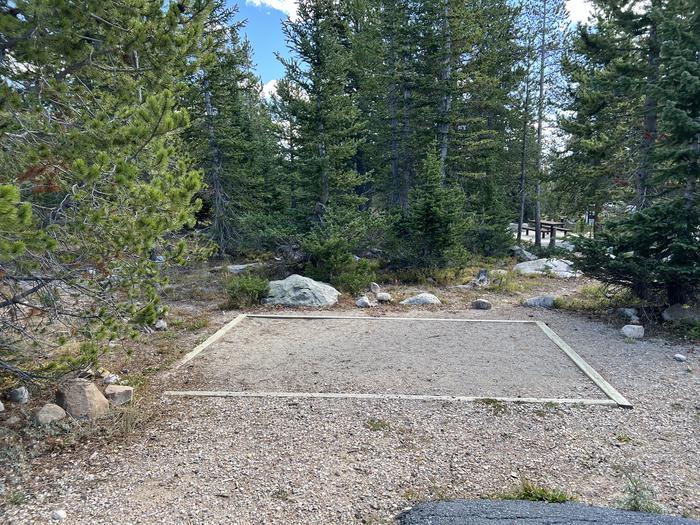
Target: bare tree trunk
x: 540, y: 124
x: 523, y: 151
x: 446, y: 105
x: 220, y: 200
x: 406, y: 149
x: 650, y: 123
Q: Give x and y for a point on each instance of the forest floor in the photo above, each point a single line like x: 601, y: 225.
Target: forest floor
x: 327, y: 461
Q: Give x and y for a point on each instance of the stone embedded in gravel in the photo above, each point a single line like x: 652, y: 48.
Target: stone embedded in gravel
x: 481, y: 304
x: 161, y: 325
x: 421, y: 299
x: 541, y: 301
x: 2, y: 407
x: 679, y: 312
x: 81, y: 399
x: 555, y: 267
x: 680, y: 358
x: 375, y: 288
x: 119, y: 395
x: 111, y: 379
x: 48, y: 414
x: 58, y: 515
x: 633, y: 331
x: 296, y: 290
x: 364, y: 302
x: 384, y: 297
x: 19, y: 395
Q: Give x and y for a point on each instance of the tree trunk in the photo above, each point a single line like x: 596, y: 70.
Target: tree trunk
x: 406, y: 149
x: 523, y: 151
x: 446, y: 105
x: 540, y: 125
x: 650, y: 123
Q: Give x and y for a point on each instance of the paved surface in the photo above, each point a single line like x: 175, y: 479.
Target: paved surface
x: 485, y: 512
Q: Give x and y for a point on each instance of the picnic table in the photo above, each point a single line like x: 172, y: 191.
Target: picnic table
x: 549, y: 227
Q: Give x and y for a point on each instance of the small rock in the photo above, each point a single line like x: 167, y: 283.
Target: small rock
x: 542, y: 301
x: 421, y: 299
x: 384, y: 297
x: 375, y: 288
x: 159, y: 259
x: 633, y: 331
x: 13, y: 421
x: 81, y: 399
x: 522, y: 254
x: 58, y: 515
x: 119, y: 395
x: 48, y: 414
x: 679, y: 312
x: 19, y: 395
x: 364, y: 302
x: 2, y: 407
x: 680, y: 358
x: 161, y: 325
x: 481, y: 304
x: 111, y: 379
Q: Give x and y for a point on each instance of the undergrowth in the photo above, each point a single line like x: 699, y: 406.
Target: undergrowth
x: 530, y: 491
x: 596, y: 298
x: 246, y: 290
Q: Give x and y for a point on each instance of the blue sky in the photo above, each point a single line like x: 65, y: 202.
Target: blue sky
x: 264, y: 30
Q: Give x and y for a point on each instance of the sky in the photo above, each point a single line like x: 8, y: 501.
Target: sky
x: 264, y: 30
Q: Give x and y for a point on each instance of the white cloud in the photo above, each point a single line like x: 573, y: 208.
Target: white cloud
x: 579, y: 10
x: 269, y: 88
x: 289, y: 7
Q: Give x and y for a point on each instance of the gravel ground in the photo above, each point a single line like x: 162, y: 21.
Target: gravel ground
x: 390, y: 357
x: 323, y: 461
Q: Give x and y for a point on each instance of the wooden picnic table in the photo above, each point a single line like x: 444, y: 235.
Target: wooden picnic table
x: 549, y: 227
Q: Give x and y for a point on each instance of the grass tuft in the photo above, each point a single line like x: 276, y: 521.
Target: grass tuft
x: 530, y: 491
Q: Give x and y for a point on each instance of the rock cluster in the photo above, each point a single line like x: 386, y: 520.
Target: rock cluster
x: 381, y: 297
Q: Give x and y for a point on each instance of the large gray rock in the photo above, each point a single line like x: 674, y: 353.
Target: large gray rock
x: 421, y: 299
x: 48, y: 414
x: 296, y: 290
x: 488, y: 512
x: 679, y: 312
x: 556, y: 267
x: 633, y: 331
x: 19, y: 395
x: 522, y: 254
x: 118, y: 394
x: 541, y: 301
x: 81, y: 399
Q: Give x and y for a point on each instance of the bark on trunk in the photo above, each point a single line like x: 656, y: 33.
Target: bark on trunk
x: 540, y: 125
x: 523, y: 152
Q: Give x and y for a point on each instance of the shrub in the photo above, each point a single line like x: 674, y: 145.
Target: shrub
x: 638, y: 497
x: 246, y: 290
x: 652, y: 251
x: 529, y: 491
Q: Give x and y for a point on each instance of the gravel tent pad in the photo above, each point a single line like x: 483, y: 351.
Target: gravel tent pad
x: 365, y: 356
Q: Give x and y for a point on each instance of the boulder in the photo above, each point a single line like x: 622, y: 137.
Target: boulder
x: 633, y: 331
x: 680, y: 312
x: 19, y: 395
x: 556, y: 267
x: 422, y: 299
x: 680, y: 358
x: 384, y: 297
x: 48, y: 414
x: 81, y: 399
x: 119, y: 395
x: 522, y: 254
x: 161, y: 325
x: 481, y: 304
x: 541, y: 301
x: 296, y: 290
x: 364, y: 302
x: 375, y: 288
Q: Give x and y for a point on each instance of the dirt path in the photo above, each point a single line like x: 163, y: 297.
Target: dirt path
x: 327, y: 461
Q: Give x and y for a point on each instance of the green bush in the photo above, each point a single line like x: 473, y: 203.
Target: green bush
x: 246, y: 290
x: 655, y: 252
